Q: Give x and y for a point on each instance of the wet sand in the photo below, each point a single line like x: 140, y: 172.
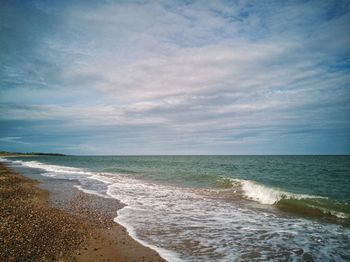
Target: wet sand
x: 54, y: 221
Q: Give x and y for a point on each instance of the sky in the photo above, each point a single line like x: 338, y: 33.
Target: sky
x: 175, y: 77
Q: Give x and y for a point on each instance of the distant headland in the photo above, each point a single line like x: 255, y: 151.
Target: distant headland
x: 9, y: 154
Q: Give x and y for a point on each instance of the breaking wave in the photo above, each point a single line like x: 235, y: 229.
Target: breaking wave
x: 310, y: 205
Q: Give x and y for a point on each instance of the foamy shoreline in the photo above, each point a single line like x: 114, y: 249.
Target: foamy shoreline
x: 86, y: 218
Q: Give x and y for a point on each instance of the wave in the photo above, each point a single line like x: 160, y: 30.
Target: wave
x: 51, y: 168
x: 309, y: 205
x: 91, y: 192
x: 317, y: 207
x: 266, y: 195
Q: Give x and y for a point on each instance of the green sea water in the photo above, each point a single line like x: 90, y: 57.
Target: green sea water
x: 327, y: 176
x: 320, y: 176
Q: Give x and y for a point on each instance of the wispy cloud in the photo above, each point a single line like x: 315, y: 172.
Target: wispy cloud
x: 177, y: 77
x: 13, y: 139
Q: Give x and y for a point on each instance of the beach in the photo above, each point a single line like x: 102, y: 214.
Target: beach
x: 177, y: 208
x: 52, y: 220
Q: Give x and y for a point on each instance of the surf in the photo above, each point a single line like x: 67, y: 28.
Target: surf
x: 304, y: 204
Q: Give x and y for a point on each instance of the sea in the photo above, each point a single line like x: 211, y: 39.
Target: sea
x: 220, y: 208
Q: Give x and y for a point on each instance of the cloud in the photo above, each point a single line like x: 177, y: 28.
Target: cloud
x: 13, y: 139
x: 178, y: 77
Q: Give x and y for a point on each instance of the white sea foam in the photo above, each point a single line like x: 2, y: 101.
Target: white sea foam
x: 53, y: 168
x: 91, y: 192
x: 103, y: 177
x: 269, y: 196
x: 168, y: 255
x: 264, y: 194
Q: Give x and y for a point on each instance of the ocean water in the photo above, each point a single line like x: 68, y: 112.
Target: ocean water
x: 221, y: 208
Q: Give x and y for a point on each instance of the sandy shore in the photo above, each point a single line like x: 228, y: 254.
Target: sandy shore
x: 61, y: 224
